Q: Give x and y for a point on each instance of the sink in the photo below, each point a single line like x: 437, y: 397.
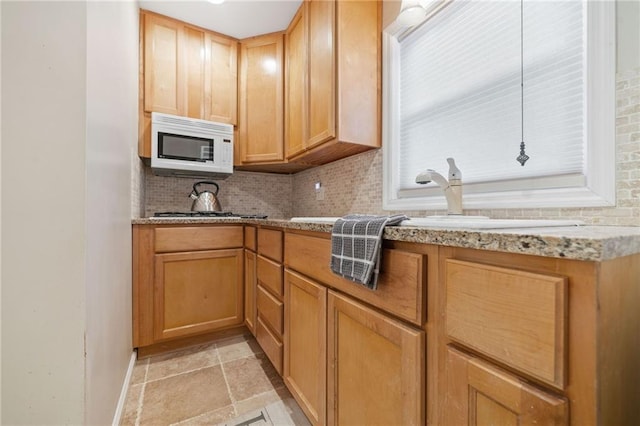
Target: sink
x: 330, y: 220
x: 483, y: 222
x: 462, y: 222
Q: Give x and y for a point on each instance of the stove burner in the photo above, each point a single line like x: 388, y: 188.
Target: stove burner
x: 209, y: 214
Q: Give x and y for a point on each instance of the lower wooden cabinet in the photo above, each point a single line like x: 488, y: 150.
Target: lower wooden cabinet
x: 197, y: 292
x: 269, y: 295
x: 271, y: 343
x: 352, y: 355
x: 516, y: 317
x: 250, y: 310
x: 305, y: 356
x: 271, y: 310
x: 481, y: 394
x: 187, y: 281
x: 376, y: 372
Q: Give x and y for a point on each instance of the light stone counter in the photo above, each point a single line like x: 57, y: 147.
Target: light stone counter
x: 593, y: 243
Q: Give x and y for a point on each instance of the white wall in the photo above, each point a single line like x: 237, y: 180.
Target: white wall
x: 112, y: 120
x: 0, y: 214
x: 628, y: 34
x: 43, y: 216
x: 69, y: 79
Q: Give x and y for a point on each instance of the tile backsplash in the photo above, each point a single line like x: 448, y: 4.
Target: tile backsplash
x: 242, y: 192
x: 354, y: 184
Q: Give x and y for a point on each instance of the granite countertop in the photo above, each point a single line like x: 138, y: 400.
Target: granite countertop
x: 591, y: 243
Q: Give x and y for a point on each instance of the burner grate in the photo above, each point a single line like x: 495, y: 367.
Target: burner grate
x: 209, y: 214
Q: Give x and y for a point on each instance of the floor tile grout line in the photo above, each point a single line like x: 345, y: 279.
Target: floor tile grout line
x: 183, y: 421
x: 226, y: 381
x: 220, y: 362
x: 261, y: 394
x: 181, y: 373
x: 141, y: 396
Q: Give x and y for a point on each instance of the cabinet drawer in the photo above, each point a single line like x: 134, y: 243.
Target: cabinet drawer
x: 401, y: 284
x: 270, y: 275
x: 513, y: 316
x: 270, y: 344
x: 270, y: 244
x: 250, y: 239
x: 197, y: 238
x: 270, y: 309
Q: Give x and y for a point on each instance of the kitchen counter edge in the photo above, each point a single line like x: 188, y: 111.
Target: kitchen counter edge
x: 588, y: 243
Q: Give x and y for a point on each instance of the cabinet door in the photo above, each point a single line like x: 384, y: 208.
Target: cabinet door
x: 250, y: 291
x: 262, y: 99
x: 480, y: 394
x: 162, y: 65
x: 322, y: 72
x: 295, y: 84
x: 305, y: 331
x: 221, y: 79
x: 376, y: 367
x: 193, y: 42
x: 197, y: 292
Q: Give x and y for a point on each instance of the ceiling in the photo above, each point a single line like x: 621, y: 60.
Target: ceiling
x: 235, y: 18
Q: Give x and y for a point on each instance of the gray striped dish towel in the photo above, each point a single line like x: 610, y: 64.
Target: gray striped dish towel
x: 356, y: 246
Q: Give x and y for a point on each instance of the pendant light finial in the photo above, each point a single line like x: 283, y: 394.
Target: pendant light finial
x: 522, y: 158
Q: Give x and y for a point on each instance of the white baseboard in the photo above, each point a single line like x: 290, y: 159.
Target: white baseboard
x: 124, y: 391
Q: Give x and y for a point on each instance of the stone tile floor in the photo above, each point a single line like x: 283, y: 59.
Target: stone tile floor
x: 229, y: 381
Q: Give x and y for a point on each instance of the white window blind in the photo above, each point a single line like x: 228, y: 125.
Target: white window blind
x: 460, y: 92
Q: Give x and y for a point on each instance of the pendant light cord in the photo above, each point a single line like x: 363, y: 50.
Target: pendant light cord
x: 522, y: 68
x: 522, y: 158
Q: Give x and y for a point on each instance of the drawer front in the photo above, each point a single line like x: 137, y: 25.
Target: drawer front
x: 270, y: 344
x: 250, y: 238
x: 270, y: 276
x: 401, y: 284
x: 513, y: 316
x: 270, y: 244
x: 192, y: 238
x: 271, y: 310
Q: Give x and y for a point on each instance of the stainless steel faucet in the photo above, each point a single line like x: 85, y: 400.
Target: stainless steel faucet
x: 452, y: 188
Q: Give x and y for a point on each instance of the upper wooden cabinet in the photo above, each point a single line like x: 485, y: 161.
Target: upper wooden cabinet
x: 321, y: 66
x: 185, y: 71
x: 296, y: 83
x: 162, y: 71
x: 333, y: 80
x: 261, y: 99
x: 221, y: 79
x: 306, y: 100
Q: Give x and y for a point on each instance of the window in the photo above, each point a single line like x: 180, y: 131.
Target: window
x: 452, y: 88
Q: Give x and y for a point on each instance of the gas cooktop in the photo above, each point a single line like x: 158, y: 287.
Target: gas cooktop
x: 209, y: 215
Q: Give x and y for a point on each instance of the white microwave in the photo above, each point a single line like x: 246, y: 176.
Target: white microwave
x: 182, y: 146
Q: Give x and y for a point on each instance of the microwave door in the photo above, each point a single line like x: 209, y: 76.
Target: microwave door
x: 185, y: 148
